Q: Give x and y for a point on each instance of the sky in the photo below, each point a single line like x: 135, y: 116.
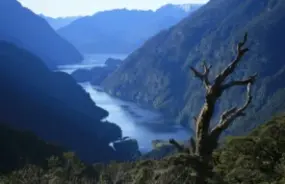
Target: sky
x: 63, y: 8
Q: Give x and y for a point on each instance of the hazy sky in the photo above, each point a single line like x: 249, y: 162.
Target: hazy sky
x: 56, y: 8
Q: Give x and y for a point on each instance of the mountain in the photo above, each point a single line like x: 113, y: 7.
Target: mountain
x: 188, y: 7
x: 175, y: 9
x: 60, y: 22
x: 158, y: 75
x: 27, y: 30
x: 121, y: 30
x: 54, y: 107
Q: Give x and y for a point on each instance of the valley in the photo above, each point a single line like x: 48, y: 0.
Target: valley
x: 142, y: 93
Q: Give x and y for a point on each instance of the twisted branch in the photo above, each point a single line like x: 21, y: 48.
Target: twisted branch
x: 227, y: 113
x: 250, y: 79
x: 232, y: 66
x: 204, y: 77
x: 229, y: 116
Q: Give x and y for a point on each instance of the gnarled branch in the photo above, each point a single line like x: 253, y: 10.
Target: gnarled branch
x: 250, y: 79
x: 204, y: 77
x: 232, y: 66
x: 229, y: 116
x: 227, y: 113
x: 206, y: 139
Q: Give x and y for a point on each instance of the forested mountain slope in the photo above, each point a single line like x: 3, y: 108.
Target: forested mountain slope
x: 158, y: 74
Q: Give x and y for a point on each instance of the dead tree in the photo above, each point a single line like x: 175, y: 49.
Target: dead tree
x: 206, y: 139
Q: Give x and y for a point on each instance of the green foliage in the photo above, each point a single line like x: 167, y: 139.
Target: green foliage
x: 258, y: 158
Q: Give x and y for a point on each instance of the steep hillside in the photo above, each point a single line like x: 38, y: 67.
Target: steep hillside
x: 25, y: 29
x: 53, y: 106
x: 157, y: 74
x: 122, y: 30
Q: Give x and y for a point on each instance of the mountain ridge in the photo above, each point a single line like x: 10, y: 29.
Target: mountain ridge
x: 125, y: 29
x: 208, y: 34
x: 60, y: 22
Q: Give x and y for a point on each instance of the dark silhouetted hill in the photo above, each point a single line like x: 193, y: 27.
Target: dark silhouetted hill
x: 53, y: 106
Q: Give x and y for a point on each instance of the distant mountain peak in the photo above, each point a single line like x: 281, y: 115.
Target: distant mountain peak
x: 59, y: 22
x: 188, y: 7
x: 121, y: 30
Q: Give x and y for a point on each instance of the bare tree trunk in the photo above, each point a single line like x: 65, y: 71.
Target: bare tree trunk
x: 206, y: 140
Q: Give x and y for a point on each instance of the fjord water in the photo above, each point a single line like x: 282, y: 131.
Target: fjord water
x: 136, y: 122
